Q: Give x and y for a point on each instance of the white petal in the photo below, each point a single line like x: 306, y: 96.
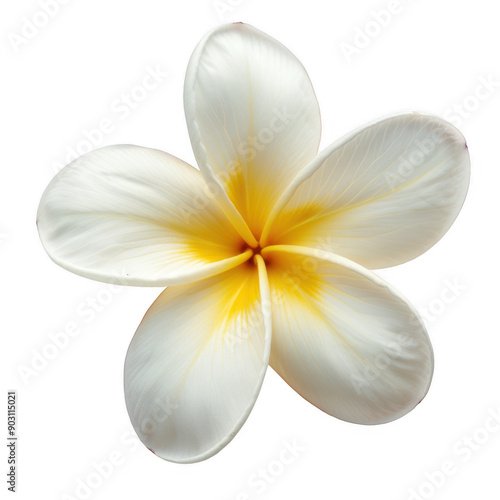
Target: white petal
x: 380, y: 196
x: 136, y: 216
x: 252, y: 117
x: 196, y: 363
x: 344, y: 339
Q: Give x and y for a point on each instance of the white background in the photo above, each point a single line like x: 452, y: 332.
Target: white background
x: 431, y: 56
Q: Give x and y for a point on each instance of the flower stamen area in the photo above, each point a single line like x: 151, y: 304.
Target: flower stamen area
x: 258, y: 250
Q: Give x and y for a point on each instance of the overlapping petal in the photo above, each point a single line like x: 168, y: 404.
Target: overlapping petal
x: 253, y: 120
x: 344, y: 339
x: 136, y: 216
x: 380, y: 196
x: 196, y: 363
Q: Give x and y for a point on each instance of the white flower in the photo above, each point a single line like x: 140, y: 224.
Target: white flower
x: 266, y: 237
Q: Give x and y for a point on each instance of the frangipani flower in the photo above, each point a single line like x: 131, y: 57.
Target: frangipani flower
x: 269, y: 246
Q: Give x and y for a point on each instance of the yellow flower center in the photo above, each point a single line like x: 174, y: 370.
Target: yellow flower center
x: 255, y: 251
